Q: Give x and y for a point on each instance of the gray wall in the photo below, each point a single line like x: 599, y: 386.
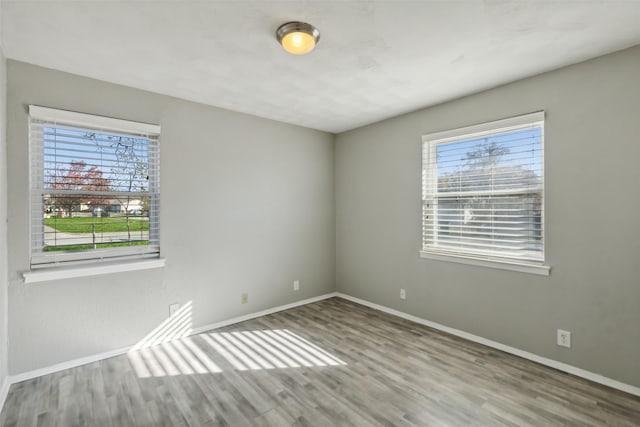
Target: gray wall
x: 3, y: 222
x: 592, y: 220
x: 247, y: 205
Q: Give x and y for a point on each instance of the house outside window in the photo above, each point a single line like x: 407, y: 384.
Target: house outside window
x: 95, y: 188
x: 483, y: 194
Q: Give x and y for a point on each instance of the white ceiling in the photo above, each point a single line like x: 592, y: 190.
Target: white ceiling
x: 375, y: 59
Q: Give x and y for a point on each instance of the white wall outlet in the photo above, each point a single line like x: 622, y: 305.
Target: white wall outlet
x: 173, y: 308
x: 564, y: 338
x: 403, y: 294
x: 244, y: 298
x: 296, y: 285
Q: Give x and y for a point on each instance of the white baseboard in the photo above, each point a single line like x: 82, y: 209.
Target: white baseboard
x: 591, y: 376
x: 4, y: 391
x: 13, y: 379
x: 250, y: 316
x: 508, y: 349
x: 101, y: 356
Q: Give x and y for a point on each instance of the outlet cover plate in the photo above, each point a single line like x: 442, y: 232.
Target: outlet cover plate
x: 564, y: 338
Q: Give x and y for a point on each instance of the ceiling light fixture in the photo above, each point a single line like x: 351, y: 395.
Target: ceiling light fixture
x: 298, y: 38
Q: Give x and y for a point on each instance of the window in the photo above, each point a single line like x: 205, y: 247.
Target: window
x: 483, y: 194
x: 95, y: 192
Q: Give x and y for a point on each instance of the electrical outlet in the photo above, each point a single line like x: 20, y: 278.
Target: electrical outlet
x: 403, y: 294
x: 564, y: 338
x: 173, y: 308
x: 244, y: 298
x: 296, y: 285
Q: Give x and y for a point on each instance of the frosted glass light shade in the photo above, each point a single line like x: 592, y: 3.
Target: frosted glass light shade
x: 298, y: 43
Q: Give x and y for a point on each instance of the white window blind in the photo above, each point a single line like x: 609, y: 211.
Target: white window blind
x: 95, y: 188
x: 483, y: 191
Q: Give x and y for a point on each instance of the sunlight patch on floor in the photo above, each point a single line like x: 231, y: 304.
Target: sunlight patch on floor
x: 179, y: 357
x: 155, y: 356
x: 268, y: 349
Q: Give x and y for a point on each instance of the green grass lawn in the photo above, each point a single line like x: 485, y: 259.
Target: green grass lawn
x: 90, y: 246
x: 102, y: 225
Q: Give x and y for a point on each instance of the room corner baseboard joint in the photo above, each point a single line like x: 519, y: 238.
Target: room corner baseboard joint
x: 579, y: 372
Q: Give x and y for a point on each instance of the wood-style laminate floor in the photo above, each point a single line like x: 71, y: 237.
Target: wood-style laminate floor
x: 329, y: 363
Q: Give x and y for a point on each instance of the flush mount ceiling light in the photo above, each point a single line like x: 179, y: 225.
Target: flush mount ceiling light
x: 298, y: 38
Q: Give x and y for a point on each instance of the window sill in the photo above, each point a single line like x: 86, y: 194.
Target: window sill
x: 58, y: 273
x: 542, y: 270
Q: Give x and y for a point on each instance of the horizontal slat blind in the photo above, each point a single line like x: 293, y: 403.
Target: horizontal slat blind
x: 95, y: 188
x: 483, y: 191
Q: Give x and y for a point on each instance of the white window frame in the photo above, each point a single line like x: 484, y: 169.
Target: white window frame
x: 65, y: 264
x: 429, y: 144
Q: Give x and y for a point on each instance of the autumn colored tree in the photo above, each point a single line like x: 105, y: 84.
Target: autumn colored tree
x: 78, y: 178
